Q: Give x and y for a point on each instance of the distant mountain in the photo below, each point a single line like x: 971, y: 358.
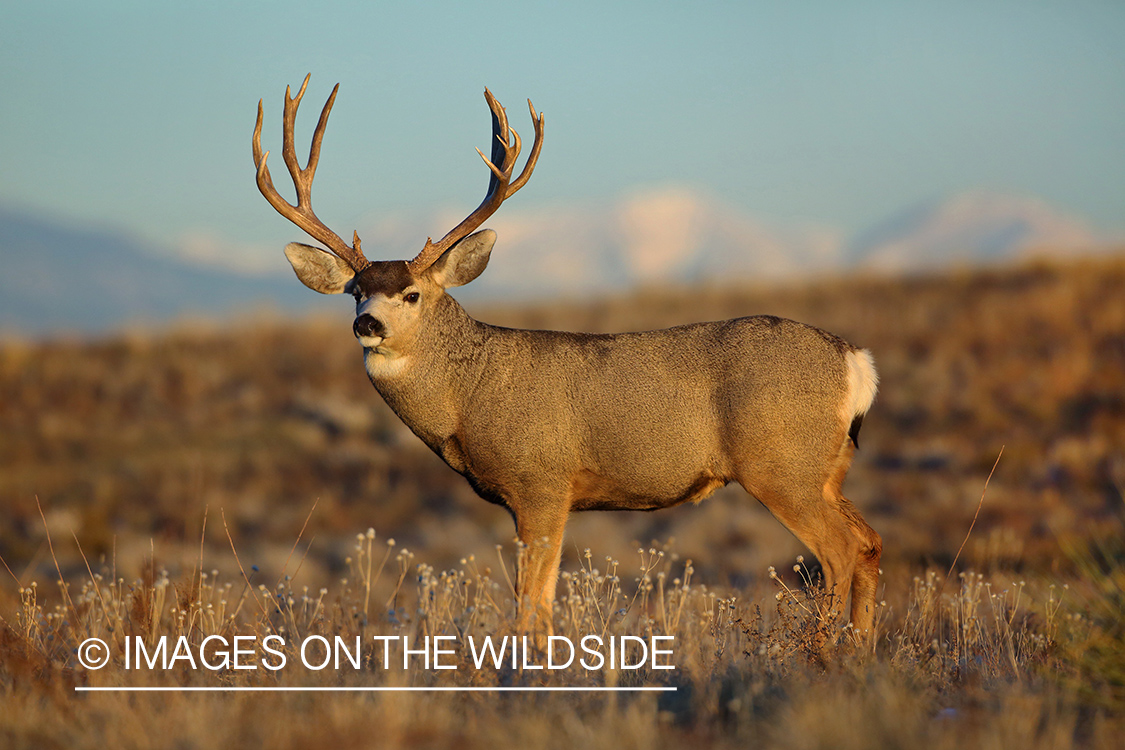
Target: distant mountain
x: 63, y: 279
x: 969, y: 228
x: 674, y: 235
x: 667, y: 235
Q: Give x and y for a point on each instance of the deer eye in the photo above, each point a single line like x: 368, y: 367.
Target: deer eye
x: 411, y: 298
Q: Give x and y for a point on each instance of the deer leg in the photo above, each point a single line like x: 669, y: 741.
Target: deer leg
x: 821, y: 527
x: 865, y: 579
x: 538, y: 571
x: 833, y: 529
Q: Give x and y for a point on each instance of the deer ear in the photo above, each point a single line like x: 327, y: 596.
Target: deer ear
x: 464, y: 261
x: 318, y: 270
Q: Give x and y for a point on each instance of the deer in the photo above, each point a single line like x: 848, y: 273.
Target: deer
x: 547, y: 423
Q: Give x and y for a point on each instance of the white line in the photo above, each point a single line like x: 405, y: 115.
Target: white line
x: 498, y: 689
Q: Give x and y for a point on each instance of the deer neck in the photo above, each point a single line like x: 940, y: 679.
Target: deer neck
x: 429, y: 384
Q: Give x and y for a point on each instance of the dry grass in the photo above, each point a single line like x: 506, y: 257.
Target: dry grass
x: 987, y: 661
x: 176, y: 475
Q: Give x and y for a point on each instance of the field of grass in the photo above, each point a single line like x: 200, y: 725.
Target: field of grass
x: 221, y: 481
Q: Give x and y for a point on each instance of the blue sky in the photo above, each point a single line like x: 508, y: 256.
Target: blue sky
x: 139, y: 114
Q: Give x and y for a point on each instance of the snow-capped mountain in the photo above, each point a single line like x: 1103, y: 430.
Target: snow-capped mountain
x: 61, y: 277
x: 659, y: 236
x: 968, y: 228
x: 676, y: 235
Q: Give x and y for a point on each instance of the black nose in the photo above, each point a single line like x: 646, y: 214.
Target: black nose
x: 365, y: 325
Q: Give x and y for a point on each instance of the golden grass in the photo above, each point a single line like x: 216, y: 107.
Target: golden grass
x: 176, y: 473
x: 988, y: 661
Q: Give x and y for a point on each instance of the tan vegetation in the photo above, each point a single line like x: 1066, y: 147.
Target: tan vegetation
x: 145, y: 450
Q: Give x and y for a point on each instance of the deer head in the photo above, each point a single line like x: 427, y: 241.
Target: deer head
x: 392, y: 297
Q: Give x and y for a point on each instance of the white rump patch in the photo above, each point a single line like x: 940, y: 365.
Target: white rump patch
x: 863, y: 382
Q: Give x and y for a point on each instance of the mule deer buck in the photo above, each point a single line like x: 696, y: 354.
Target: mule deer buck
x: 545, y: 423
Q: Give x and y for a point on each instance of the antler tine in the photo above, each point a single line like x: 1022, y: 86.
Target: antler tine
x: 506, y: 145
x: 288, y: 147
x: 302, y: 214
x: 533, y: 157
x: 502, y: 150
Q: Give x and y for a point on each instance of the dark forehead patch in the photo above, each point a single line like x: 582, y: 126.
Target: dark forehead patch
x: 387, y: 277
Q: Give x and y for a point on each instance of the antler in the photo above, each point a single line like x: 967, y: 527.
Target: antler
x: 302, y: 214
x: 505, y: 150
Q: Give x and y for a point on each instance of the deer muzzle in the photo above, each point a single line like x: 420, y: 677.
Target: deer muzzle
x: 365, y: 326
